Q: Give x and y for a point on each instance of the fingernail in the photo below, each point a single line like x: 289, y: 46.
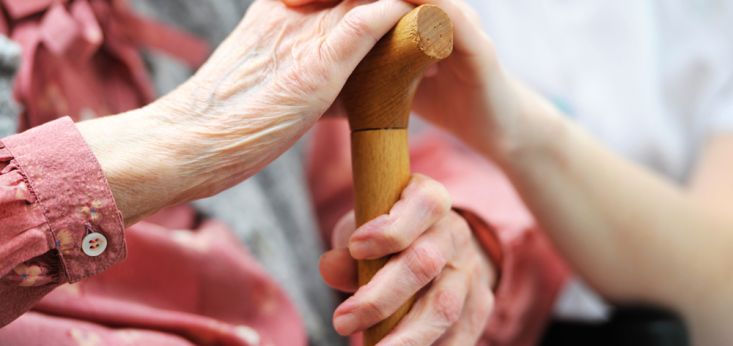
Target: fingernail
x: 371, y: 228
x: 360, y: 249
x: 345, y: 324
x: 346, y: 307
x: 363, y: 233
x: 344, y: 321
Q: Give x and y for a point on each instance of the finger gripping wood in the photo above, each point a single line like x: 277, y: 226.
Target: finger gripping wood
x: 378, y: 98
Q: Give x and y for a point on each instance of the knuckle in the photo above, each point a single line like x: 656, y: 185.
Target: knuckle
x: 373, y: 310
x: 394, y: 241
x: 433, y: 197
x: 357, y: 25
x: 424, y: 264
x: 460, y: 231
x: 302, y: 82
x: 447, y: 306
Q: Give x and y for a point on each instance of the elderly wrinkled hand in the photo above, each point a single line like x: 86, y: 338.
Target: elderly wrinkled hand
x: 469, y: 93
x: 435, y: 257
x: 273, y: 77
x: 264, y: 86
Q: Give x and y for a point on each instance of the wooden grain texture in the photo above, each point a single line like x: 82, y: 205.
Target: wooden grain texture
x: 378, y: 97
x: 379, y: 93
x: 381, y: 165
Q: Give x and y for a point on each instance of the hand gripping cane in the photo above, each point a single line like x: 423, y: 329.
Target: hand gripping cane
x: 378, y: 98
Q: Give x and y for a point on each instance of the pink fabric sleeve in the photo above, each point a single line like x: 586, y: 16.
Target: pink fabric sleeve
x: 532, y: 273
x: 52, y: 194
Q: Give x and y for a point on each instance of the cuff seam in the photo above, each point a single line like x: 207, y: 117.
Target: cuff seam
x: 38, y: 200
x: 67, y: 180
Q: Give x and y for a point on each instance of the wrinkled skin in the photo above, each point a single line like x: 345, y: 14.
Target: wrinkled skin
x: 436, y: 257
x: 267, y: 83
x: 262, y: 88
x: 273, y: 78
x: 469, y: 94
x: 436, y: 254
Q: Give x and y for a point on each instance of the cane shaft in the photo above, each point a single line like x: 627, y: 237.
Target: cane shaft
x: 378, y: 98
x: 381, y: 170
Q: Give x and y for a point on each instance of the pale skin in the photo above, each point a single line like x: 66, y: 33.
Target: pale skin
x: 633, y: 235
x: 674, y: 237
x: 263, y: 87
x: 268, y: 83
x: 434, y: 250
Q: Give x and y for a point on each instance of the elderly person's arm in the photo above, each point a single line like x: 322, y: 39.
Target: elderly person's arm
x: 267, y: 84
x: 66, y: 190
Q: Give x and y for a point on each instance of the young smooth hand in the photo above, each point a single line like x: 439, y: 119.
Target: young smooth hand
x: 435, y: 257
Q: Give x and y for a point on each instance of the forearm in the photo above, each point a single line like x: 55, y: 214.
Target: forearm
x: 632, y: 234
x: 245, y: 106
x: 139, y: 165
x: 152, y: 162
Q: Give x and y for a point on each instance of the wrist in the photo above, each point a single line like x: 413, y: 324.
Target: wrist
x: 225, y: 140
x: 528, y: 125
x: 139, y: 160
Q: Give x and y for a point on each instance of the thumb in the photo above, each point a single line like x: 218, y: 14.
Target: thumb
x: 357, y: 33
x: 338, y: 270
x: 343, y: 230
x: 337, y: 267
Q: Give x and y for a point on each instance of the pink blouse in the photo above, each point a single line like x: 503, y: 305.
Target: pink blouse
x: 183, y: 283
x: 53, y: 198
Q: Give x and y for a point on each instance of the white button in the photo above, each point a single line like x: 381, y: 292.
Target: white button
x: 94, y: 244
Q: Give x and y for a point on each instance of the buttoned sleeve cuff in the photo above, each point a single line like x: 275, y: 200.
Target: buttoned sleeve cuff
x: 84, y: 224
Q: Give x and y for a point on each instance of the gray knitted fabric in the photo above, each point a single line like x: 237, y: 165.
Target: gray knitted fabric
x: 9, y: 63
x: 270, y: 212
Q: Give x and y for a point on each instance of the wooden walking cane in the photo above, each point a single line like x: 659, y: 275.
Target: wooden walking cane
x: 378, y: 98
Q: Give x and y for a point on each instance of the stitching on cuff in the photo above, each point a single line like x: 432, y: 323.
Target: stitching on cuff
x: 81, y: 174
x: 63, y: 275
